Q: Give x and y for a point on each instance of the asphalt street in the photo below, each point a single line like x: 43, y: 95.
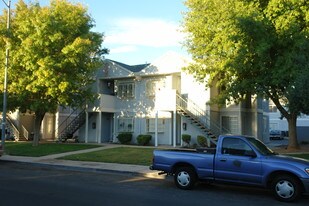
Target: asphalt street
x: 33, y: 185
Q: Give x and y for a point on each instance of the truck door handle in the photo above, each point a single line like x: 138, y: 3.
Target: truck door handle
x: 222, y: 160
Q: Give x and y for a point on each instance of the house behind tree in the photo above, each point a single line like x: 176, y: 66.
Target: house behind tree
x: 159, y: 99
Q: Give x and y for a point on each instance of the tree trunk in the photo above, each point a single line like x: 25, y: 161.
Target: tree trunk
x: 37, y: 127
x: 293, y: 143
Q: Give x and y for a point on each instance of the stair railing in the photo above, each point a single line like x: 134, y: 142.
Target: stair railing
x: 71, y: 124
x: 67, y: 122
x: 13, y: 128
x: 25, y: 132
x: 193, y: 110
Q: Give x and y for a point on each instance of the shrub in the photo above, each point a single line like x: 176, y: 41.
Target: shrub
x: 143, y: 139
x: 186, y: 138
x: 124, y: 138
x: 202, y: 141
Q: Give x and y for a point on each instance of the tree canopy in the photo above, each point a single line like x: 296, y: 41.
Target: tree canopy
x: 252, y: 47
x: 53, y: 56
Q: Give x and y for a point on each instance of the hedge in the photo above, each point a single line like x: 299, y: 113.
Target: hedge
x: 124, y: 138
x: 143, y: 139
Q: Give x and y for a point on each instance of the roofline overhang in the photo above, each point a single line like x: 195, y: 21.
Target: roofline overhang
x: 138, y: 76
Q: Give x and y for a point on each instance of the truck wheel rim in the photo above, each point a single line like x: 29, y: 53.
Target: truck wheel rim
x: 183, y: 178
x: 285, y: 189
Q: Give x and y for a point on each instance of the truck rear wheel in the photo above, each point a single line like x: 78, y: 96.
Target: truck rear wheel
x: 185, y: 178
x: 286, y: 188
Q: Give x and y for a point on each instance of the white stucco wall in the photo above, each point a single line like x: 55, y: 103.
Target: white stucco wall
x: 194, y: 90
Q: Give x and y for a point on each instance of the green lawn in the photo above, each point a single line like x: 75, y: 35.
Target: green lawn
x: 122, y: 155
x: 26, y: 148
x: 126, y: 155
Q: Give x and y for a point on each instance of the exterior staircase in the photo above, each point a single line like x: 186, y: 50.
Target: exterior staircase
x: 12, y: 132
x: 200, y: 119
x: 16, y: 131
x: 71, y: 124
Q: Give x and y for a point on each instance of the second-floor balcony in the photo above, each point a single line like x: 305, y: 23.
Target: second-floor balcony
x: 104, y: 103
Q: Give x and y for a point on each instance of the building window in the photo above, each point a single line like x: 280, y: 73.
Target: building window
x: 151, y: 125
x: 152, y: 86
x: 125, y: 124
x: 125, y: 90
x: 273, y: 108
x: 231, y: 124
x: 273, y: 126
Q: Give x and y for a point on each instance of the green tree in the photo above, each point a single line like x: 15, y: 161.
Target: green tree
x: 53, y: 57
x: 252, y: 47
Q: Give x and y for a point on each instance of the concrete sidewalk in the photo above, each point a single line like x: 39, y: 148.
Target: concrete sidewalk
x: 52, y: 161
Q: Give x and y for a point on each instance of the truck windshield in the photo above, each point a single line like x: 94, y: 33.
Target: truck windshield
x: 262, y: 148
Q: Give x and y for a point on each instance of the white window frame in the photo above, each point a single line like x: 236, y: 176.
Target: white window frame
x: 125, y: 124
x: 125, y: 90
x: 151, y: 125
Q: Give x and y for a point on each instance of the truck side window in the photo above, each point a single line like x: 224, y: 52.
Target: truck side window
x: 233, y: 146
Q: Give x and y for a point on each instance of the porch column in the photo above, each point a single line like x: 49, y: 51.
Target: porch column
x: 86, y: 127
x: 174, y: 128
x: 240, y: 120
x: 98, y: 128
x: 57, y: 120
x: 156, y: 129
x: 114, y: 129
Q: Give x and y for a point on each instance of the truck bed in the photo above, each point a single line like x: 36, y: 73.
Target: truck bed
x: 200, y: 159
x: 205, y: 150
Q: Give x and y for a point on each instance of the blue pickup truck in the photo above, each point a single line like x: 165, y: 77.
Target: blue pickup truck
x: 238, y: 160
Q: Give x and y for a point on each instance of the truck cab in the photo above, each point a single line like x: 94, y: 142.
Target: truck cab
x: 238, y: 161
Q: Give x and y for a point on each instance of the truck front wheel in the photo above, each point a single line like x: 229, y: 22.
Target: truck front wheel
x: 286, y: 188
x: 185, y: 178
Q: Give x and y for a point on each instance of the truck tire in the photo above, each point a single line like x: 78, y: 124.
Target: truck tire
x: 185, y: 178
x: 286, y: 188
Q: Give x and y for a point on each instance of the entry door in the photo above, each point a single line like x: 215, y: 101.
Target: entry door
x: 106, y: 127
x: 233, y: 163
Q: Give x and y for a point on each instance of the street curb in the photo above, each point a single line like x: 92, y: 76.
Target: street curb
x: 76, y: 168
